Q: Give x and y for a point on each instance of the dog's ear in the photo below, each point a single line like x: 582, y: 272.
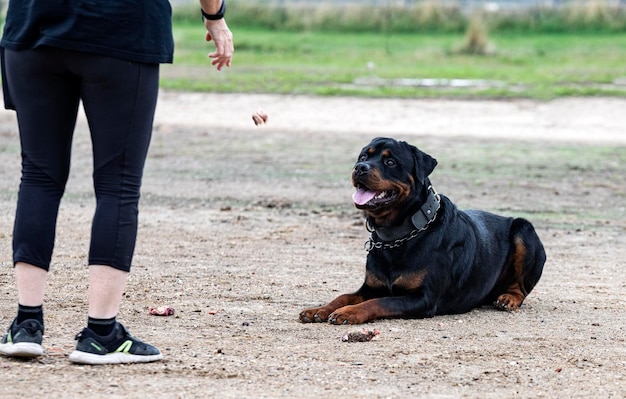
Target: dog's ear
x: 423, y: 164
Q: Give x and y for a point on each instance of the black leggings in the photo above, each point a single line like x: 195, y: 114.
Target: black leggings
x: 119, y: 98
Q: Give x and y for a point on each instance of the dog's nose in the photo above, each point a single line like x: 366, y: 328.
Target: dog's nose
x: 361, y: 168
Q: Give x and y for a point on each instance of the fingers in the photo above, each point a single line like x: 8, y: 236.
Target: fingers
x: 218, y: 32
x: 220, y: 61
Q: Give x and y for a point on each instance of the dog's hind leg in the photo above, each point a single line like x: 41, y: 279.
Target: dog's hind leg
x: 524, y: 266
x: 515, y: 292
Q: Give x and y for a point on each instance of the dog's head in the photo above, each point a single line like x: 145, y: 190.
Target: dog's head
x: 390, y: 177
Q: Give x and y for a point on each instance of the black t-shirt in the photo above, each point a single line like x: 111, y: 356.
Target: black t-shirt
x: 133, y: 30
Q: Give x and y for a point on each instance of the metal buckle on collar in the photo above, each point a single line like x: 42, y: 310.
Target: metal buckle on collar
x: 435, y: 193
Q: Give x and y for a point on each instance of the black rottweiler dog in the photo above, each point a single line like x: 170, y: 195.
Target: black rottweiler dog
x: 426, y: 257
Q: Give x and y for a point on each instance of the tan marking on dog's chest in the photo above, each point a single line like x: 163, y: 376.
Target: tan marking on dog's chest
x: 410, y: 281
x: 372, y: 280
x: 405, y: 282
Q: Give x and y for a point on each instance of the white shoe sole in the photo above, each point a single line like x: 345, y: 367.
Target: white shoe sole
x: 111, y: 358
x: 21, y: 349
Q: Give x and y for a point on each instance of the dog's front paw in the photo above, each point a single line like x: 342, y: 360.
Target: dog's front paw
x: 348, y: 315
x: 315, y: 315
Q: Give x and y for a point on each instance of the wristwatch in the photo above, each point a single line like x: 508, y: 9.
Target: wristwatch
x: 215, y: 17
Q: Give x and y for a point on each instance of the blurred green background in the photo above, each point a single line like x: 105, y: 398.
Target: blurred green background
x: 409, y: 49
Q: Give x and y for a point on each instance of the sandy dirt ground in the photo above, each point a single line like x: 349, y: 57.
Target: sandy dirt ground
x: 241, y: 227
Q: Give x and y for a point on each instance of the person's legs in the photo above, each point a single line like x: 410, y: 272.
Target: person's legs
x: 46, y: 100
x: 120, y: 99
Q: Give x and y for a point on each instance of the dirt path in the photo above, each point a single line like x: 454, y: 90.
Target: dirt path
x: 244, y: 226
x: 589, y: 120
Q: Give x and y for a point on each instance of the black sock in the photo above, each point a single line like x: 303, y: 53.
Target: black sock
x: 102, y: 327
x: 29, y: 312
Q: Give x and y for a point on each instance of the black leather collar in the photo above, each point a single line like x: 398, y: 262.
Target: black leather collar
x: 395, y: 236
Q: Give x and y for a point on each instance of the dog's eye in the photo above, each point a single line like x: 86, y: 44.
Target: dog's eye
x: 363, y: 158
x: 390, y: 162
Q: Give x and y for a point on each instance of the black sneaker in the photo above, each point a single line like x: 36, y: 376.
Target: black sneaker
x: 118, y: 347
x: 23, y: 340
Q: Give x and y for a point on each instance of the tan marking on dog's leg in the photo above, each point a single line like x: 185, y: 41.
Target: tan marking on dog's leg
x: 362, y: 313
x: 515, y: 294
x: 318, y: 315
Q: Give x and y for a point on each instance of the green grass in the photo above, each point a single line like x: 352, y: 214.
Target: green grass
x: 431, y: 16
x: 526, y: 65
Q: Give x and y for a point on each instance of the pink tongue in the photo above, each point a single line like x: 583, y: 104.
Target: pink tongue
x: 362, y: 197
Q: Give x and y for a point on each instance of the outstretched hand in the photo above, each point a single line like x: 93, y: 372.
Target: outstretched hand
x: 223, y: 38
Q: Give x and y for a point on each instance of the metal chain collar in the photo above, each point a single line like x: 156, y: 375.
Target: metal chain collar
x: 370, y: 244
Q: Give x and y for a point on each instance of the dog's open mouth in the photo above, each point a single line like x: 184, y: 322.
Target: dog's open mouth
x: 364, y: 197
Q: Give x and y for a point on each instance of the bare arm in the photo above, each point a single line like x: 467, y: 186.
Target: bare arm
x: 211, y: 6
x: 218, y: 31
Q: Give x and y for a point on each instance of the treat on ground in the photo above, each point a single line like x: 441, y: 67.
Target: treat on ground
x: 161, y: 311
x: 360, y: 336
